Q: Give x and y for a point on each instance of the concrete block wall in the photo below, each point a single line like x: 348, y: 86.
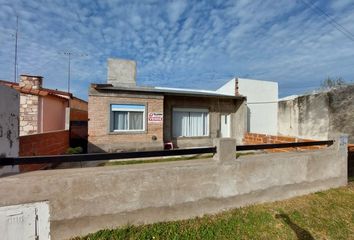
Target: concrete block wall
x: 102, y: 140
x: 146, y: 193
x: 50, y: 143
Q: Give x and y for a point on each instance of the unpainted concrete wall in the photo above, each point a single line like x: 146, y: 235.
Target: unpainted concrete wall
x: 318, y: 116
x: 89, y: 199
x: 121, y: 72
x: 9, y: 126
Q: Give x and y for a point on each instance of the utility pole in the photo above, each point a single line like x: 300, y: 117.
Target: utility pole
x: 16, y: 37
x: 69, y: 54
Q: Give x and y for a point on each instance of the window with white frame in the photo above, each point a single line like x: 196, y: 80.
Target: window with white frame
x: 190, y: 122
x: 127, y: 117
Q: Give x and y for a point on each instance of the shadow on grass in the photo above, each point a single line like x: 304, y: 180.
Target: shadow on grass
x: 301, y: 234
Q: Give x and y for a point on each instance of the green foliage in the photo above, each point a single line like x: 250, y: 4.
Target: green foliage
x: 76, y: 150
x: 322, y: 215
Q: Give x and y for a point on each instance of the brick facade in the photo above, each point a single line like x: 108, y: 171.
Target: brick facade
x: 28, y: 114
x: 255, y: 138
x: 100, y: 138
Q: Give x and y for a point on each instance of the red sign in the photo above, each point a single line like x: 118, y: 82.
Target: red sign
x: 155, y: 117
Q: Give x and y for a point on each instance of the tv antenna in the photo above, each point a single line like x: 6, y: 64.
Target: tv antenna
x: 70, y: 55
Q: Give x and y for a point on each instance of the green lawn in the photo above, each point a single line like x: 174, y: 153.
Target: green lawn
x: 322, y: 215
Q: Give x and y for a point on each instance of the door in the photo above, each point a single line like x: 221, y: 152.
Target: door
x: 225, y: 125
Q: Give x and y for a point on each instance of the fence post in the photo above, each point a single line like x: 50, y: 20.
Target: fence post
x: 225, y: 149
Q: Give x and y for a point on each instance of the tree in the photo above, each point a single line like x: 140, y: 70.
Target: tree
x: 329, y: 83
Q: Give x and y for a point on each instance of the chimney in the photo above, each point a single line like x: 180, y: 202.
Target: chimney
x: 34, y: 82
x: 121, y: 72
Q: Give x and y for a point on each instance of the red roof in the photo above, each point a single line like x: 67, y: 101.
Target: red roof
x: 38, y: 92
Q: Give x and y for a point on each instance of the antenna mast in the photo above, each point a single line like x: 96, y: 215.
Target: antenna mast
x: 16, y: 37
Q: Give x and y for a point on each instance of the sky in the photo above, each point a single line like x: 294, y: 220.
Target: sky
x: 188, y: 44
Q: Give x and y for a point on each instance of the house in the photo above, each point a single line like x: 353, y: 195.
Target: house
x: 262, y: 103
x: 44, y: 110
x: 124, y: 116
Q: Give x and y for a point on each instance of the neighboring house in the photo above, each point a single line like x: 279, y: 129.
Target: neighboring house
x: 123, y: 116
x: 45, y: 110
x: 262, y: 103
x: 41, y: 109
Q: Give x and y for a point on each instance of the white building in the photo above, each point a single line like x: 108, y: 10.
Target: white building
x: 262, y: 103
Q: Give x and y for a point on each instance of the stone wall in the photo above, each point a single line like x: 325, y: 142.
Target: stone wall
x: 318, y: 116
x: 29, y: 114
x: 29, y: 105
x: 89, y: 199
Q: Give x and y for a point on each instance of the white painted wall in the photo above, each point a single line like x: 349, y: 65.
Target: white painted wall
x: 25, y: 221
x: 9, y: 119
x: 262, y: 103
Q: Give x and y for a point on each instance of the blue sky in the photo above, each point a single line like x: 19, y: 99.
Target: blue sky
x: 189, y: 44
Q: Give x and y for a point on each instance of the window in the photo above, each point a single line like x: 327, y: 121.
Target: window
x: 188, y: 122
x: 127, y: 117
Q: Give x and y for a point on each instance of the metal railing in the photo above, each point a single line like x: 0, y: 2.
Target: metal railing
x: 54, y: 159
x: 102, y: 156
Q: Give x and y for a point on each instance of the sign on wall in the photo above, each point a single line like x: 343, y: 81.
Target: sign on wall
x: 155, y: 117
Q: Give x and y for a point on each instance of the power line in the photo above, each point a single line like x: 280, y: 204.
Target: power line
x: 331, y: 20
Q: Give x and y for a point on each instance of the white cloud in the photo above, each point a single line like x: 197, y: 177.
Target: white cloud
x: 175, y: 9
x: 179, y: 43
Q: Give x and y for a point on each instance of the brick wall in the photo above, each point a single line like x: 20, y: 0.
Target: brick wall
x: 50, y: 143
x: 100, y: 138
x: 351, y: 160
x: 78, y: 115
x: 255, y: 138
x: 76, y: 103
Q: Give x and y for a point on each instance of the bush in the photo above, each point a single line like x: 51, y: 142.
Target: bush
x: 75, y: 150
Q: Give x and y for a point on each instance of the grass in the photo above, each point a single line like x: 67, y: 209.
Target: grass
x: 322, y: 215
x: 169, y: 159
